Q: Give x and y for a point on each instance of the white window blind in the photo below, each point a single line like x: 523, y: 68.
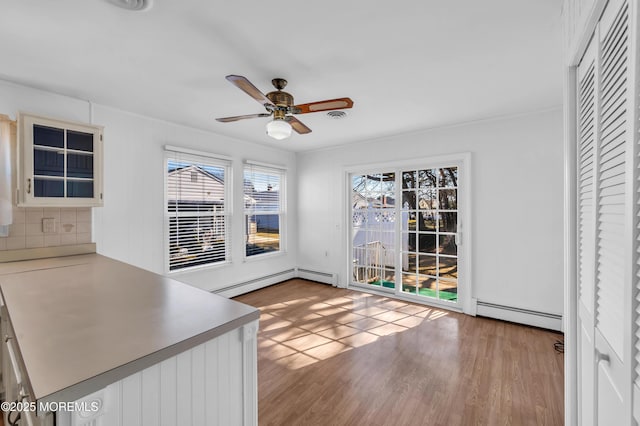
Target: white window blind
x: 197, y: 215
x: 264, y: 194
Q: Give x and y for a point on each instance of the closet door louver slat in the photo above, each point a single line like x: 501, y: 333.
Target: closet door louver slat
x: 611, y: 182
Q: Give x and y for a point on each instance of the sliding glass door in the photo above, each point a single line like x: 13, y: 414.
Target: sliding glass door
x: 374, y: 229
x: 428, y: 230
x: 405, y: 230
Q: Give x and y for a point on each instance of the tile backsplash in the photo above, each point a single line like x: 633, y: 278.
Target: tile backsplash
x: 71, y: 226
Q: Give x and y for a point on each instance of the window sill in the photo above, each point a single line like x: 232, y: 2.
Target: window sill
x: 262, y: 256
x: 198, y: 268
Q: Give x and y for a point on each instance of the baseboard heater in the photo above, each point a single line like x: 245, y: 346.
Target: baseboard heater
x: 520, y: 315
x: 322, y: 277
x: 267, y: 280
x: 255, y: 284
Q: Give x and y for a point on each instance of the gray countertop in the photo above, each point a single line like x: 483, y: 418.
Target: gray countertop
x: 83, y: 322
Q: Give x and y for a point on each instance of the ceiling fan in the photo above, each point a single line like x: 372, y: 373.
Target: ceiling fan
x: 280, y: 105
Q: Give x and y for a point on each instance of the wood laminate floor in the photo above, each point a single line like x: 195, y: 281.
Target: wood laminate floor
x: 330, y: 356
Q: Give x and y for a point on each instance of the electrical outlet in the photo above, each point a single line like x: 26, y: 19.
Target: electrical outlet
x: 49, y: 225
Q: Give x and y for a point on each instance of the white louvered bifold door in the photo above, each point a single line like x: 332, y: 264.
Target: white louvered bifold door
x: 611, y: 209
x: 586, y: 209
x: 605, y: 226
x: 613, y: 217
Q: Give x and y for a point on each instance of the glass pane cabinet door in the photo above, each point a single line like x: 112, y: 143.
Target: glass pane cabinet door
x: 79, y: 164
x: 60, y: 162
x: 48, y: 161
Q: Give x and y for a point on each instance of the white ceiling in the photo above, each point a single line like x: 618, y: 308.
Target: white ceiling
x: 407, y: 65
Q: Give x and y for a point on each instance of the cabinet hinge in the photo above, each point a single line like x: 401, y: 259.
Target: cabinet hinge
x: 100, y: 138
x: 101, y: 195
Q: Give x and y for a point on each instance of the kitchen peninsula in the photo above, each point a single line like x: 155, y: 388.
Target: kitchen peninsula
x: 143, y: 348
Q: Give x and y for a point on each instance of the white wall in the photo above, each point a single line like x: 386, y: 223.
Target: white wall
x: 516, y: 196
x: 130, y: 225
x: 517, y: 199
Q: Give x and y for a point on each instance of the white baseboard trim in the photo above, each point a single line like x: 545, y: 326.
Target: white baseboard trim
x: 520, y: 315
x: 256, y: 284
x: 472, y: 307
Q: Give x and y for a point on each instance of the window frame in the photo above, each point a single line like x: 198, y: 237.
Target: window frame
x: 464, y: 234
x: 194, y: 157
x: 281, y: 171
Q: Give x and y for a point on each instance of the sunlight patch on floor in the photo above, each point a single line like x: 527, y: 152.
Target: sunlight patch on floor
x: 327, y: 328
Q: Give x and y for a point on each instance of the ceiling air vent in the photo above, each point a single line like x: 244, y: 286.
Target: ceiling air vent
x: 337, y: 115
x: 132, y: 4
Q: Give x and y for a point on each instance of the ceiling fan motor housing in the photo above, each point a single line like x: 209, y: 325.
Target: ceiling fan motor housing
x: 280, y: 98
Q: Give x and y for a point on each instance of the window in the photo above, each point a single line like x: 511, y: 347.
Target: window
x: 197, y: 210
x: 263, y: 207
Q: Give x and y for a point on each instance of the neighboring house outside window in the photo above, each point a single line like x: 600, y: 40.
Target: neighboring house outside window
x: 264, y: 199
x: 197, y: 215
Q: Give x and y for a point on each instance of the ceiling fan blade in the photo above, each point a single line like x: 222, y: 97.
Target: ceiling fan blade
x: 340, y: 103
x: 247, y: 87
x: 241, y: 117
x: 297, y: 125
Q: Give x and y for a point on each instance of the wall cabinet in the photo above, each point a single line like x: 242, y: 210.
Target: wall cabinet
x: 59, y: 163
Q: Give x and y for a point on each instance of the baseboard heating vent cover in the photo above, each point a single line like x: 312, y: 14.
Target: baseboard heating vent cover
x: 256, y: 283
x: 323, y: 277
x: 520, y: 315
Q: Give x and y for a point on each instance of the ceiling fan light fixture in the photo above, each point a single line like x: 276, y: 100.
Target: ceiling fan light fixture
x: 278, y: 129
